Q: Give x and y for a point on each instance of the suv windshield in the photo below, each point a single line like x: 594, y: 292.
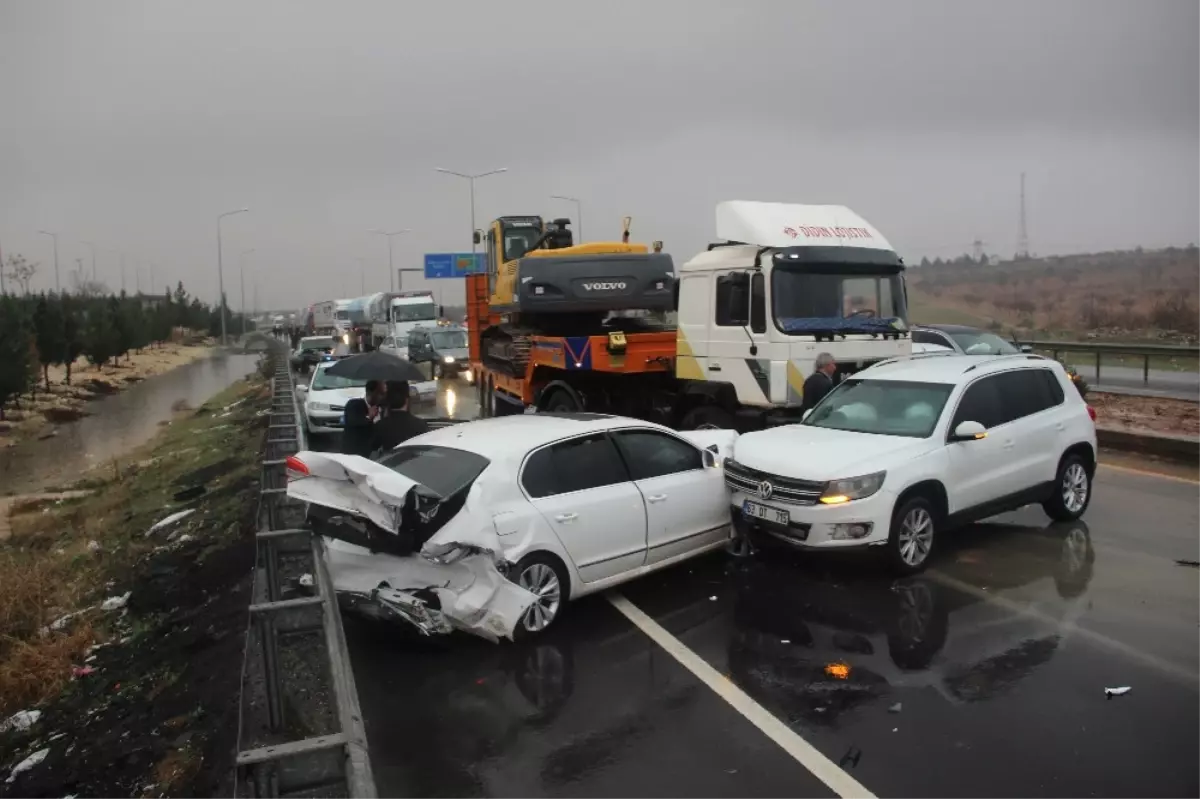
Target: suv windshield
x: 883, y: 407
x: 414, y: 313
x: 323, y: 381
x: 449, y: 340
x: 443, y: 470
x: 977, y: 342
x: 804, y: 294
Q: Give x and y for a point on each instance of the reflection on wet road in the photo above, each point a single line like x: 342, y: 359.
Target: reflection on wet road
x: 119, y: 423
x: 984, y: 676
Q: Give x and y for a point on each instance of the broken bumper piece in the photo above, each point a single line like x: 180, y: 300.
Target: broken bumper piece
x: 470, y: 594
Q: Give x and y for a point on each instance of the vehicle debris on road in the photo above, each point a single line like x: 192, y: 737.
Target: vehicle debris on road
x: 1111, y: 692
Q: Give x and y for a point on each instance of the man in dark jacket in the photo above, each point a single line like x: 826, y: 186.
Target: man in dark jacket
x: 361, y: 413
x: 820, y: 382
x: 397, y: 424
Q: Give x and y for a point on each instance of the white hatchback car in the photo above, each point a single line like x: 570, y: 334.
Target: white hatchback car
x: 909, y: 447
x: 565, y: 504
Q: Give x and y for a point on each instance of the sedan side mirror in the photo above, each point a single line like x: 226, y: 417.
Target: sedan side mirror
x: 710, y: 459
x: 969, y: 431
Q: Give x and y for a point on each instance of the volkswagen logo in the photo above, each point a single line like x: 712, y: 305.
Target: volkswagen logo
x: 765, y: 489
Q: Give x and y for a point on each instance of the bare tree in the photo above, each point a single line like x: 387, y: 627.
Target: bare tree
x: 21, y: 271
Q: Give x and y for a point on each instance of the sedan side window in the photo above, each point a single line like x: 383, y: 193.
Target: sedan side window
x: 653, y: 454
x: 981, y: 403
x: 574, y: 465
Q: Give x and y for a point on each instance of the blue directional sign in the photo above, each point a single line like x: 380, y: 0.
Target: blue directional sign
x: 453, y: 264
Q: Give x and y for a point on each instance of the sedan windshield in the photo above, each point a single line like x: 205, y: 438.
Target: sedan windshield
x: 323, y: 381
x: 978, y: 342
x: 316, y: 343
x: 443, y: 470
x: 882, y: 407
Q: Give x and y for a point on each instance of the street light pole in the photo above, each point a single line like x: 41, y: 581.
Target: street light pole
x: 91, y: 247
x: 471, y: 179
x: 54, y: 236
x: 390, y: 234
x: 578, y: 212
x: 242, y: 280
x: 221, y: 272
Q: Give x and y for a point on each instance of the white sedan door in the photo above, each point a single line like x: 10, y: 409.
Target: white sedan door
x: 581, y: 488
x: 687, y: 503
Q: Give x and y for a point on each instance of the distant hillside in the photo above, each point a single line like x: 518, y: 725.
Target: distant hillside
x: 1112, y: 295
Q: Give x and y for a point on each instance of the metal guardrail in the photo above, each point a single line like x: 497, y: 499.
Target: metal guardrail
x: 1100, y: 349
x: 335, y: 762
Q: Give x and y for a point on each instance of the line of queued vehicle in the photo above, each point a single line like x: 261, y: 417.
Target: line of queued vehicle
x: 492, y: 526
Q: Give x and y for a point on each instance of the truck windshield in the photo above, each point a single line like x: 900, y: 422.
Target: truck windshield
x: 414, y: 313
x: 449, y: 340
x: 803, y: 294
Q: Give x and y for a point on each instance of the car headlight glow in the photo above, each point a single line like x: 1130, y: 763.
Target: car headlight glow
x: 319, y: 406
x: 838, y: 492
x: 449, y: 359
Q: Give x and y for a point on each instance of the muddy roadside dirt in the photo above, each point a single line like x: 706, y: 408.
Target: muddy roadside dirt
x: 128, y: 643
x: 1155, y: 414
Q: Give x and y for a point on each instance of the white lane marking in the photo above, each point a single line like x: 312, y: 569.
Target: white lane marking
x: 1144, y: 473
x: 801, y: 750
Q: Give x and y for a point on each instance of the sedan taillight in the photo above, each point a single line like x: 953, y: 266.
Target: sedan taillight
x: 296, y: 468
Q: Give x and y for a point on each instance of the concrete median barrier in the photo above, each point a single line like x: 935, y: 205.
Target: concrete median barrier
x: 1181, y: 449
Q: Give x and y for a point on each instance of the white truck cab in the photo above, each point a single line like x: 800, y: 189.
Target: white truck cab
x: 405, y: 312
x: 787, y: 283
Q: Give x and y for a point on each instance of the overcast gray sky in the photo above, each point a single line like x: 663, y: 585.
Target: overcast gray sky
x: 133, y: 124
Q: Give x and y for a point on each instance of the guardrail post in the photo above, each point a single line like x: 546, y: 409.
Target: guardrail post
x: 1146, y: 370
x: 1098, y: 353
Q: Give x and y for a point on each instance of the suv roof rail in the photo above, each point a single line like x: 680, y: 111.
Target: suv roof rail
x: 1022, y: 355
x: 911, y: 357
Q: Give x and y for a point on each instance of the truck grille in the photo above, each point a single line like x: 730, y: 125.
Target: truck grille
x: 783, y: 489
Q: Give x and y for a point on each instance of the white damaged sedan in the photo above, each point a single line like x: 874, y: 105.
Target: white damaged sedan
x: 490, y: 527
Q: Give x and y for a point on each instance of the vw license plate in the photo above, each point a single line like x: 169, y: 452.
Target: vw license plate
x: 754, y: 510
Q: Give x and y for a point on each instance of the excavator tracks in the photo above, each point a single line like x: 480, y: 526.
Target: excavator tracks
x: 506, y: 349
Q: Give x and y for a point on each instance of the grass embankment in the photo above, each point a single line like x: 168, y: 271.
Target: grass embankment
x: 29, y: 418
x: 140, y: 699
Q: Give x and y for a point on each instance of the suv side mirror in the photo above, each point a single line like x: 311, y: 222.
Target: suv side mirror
x: 302, y: 388
x: 968, y: 431
x: 1026, y: 348
x: 476, y: 237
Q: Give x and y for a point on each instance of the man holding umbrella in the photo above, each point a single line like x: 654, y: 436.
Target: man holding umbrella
x: 376, y: 367
x: 361, y: 415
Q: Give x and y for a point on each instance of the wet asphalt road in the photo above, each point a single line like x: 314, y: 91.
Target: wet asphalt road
x: 983, y: 677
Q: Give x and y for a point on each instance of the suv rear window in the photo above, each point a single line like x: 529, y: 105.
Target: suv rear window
x: 444, y: 470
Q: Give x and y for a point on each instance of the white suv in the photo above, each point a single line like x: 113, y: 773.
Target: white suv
x: 910, y: 447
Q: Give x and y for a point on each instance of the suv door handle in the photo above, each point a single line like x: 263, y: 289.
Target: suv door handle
x: 1009, y: 444
x: 566, y: 517
x: 657, y: 498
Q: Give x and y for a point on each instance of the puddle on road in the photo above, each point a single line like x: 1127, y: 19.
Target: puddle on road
x: 119, y: 423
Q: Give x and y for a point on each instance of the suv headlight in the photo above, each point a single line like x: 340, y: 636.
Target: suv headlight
x: 838, y: 492
x: 449, y: 359
x: 319, y: 406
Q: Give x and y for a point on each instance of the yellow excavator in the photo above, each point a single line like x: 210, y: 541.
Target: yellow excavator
x: 540, y: 283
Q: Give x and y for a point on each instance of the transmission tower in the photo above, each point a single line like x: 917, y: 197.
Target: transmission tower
x: 977, y: 250
x: 1022, y: 230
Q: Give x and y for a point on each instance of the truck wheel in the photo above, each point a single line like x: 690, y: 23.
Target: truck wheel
x: 488, y: 406
x: 707, y: 417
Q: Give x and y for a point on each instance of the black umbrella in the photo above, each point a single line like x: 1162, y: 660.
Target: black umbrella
x: 376, y: 365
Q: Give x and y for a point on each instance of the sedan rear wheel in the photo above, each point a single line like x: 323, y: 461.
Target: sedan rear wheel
x: 542, y: 577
